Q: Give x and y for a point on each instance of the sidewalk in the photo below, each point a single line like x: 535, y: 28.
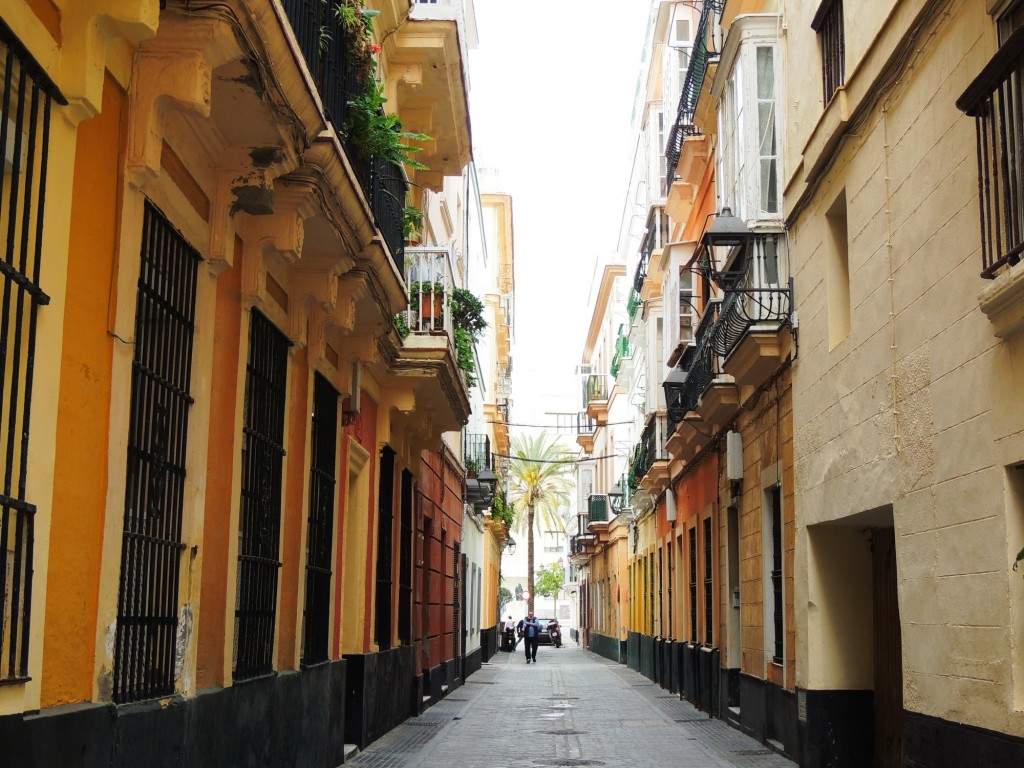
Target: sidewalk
x: 571, y: 708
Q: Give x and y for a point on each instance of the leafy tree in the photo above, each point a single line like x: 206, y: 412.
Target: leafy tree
x: 550, y: 580
x: 540, y: 483
x: 504, y: 598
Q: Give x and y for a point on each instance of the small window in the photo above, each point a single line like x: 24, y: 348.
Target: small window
x: 828, y: 23
x: 682, y: 32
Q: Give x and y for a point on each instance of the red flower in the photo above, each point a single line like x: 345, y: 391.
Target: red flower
x: 375, y: 48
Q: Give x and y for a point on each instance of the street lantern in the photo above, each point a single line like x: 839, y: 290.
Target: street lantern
x: 615, y: 499
x: 721, y: 244
x: 480, y: 490
x: 510, y: 545
x: 674, y: 385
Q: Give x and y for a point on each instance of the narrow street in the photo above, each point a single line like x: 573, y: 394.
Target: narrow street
x: 572, y: 708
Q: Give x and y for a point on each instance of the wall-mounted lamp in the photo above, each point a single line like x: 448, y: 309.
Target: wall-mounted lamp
x: 722, y: 242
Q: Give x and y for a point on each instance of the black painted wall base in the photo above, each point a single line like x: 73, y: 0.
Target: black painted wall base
x: 633, y: 651
x: 377, y: 693
x: 473, y: 661
x: 293, y: 718
x: 608, y: 647
x: 839, y: 731
x: 647, y: 656
x: 768, y: 712
x: 929, y: 742
x: 488, y: 643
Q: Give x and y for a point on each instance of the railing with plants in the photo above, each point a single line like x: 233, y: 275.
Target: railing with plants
x: 622, y: 350
x: 597, y: 388
x: 336, y: 41
x: 476, y: 452
x: 437, y: 306
x: 699, y: 59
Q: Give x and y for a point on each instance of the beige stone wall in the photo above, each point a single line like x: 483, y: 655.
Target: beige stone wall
x: 915, y: 407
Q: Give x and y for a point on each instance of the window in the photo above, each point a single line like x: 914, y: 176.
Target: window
x: 26, y: 98
x: 828, y: 23
x: 709, y: 592
x: 661, y: 588
x: 774, y: 558
x: 670, y: 629
x: 837, y: 272
x: 147, y: 605
x: 994, y: 100
x: 259, y: 528
x: 405, y: 564
x: 320, y: 528
x: 749, y: 159
x: 385, y: 542
x: 693, y: 584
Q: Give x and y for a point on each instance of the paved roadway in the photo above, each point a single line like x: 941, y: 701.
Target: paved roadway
x: 571, y: 708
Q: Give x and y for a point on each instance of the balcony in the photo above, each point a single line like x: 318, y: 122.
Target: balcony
x: 384, y: 184
x: 623, y: 350
x: 652, y: 457
x: 429, y: 52
x: 598, y: 390
x: 476, y: 452
x: 597, y: 510
x: 705, y: 393
x: 753, y: 332
x: 585, y: 430
x: 993, y: 99
x: 685, y: 124
x: 427, y: 352
x: 655, y: 238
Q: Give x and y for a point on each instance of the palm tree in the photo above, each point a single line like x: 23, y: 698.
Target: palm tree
x: 540, y: 483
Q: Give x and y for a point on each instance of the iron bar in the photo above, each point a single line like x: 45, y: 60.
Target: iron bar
x: 260, y: 515
x: 155, y: 462
x: 320, y: 525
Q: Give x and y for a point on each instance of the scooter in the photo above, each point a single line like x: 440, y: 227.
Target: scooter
x: 556, y: 636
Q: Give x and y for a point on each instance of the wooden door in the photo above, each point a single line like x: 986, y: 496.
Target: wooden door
x: 888, y: 652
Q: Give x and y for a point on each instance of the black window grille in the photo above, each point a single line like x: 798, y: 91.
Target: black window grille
x: 828, y: 23
x: 385, y: 543
x: 320, y: 528
x: 26, y: 99
x: 709, y: 592
x: 405, y: 565
x: 456, y: 600
x: 147, y: 604
x: 661, y: 586
x: 995, y: 99
x: 777, y: 615
x: 670, y: 630
x: 693, y: 585
x: 259, y: 531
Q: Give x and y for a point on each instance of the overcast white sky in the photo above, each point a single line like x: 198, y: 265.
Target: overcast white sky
x: 552, y: 85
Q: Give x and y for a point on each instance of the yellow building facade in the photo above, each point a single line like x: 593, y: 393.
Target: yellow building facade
x: 228, y: 438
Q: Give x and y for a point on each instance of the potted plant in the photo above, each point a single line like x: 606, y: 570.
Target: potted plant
x: 412, y: 224
x: 429, y: 311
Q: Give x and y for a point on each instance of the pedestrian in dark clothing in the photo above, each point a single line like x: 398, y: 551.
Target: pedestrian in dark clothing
x: 531, y: 634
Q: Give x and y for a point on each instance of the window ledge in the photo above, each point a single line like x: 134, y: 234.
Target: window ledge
x: 1002, y: 301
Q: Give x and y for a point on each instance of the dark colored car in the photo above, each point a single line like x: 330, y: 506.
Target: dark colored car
x: 545, y: 636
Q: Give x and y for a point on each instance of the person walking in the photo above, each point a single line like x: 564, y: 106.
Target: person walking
x: 531, y: 636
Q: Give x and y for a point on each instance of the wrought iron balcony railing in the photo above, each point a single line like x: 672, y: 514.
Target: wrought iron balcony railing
x: 684, y: 125
x: 995, y: 99
x: 701, y: 363
x: 584, y: 424
x: 753, y: 300
x: 476, y: 451
x: 330, y: 66
x: 652, y: 446
x: 655, y: 237
x: 597, y: 387
x: 597, y: 508
x: 430, y: 281
x: 623, y: 350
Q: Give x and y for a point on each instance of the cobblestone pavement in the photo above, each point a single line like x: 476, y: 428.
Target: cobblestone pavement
x: 571, y: 708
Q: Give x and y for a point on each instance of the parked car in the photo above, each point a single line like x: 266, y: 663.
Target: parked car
x: 545, y: 637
